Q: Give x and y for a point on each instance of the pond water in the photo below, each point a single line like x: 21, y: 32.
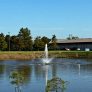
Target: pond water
x: 78, y: 73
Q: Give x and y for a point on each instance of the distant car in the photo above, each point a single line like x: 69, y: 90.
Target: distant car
x: 67, y: 49
x: 78, y: 48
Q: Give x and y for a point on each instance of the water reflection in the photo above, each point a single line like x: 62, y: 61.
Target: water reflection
x: 20, y: 75
x: 45, y: 69
x: 2, y: 70
x: 17, y: 80
x: 54, y: 70
x: 56, y: 84
x: 36, y: 74
x: 38, y: 71
x: 79, y: 68
x: 26, y: 72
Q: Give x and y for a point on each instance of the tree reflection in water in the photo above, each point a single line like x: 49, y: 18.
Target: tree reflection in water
x: 56, y: 85
x: 26, y: 72
x: 20, y: 76
x: 2, y: 69
x: 16, y: 79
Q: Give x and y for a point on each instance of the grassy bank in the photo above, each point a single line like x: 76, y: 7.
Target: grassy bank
x: 20, y: 55
x: 71, y: 54
x: 27, y: 55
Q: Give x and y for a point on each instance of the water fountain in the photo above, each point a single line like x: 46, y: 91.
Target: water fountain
x: 46, y: 51
x: 46, y: 60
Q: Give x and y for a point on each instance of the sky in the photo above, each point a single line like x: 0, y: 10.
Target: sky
x: 47, y: 17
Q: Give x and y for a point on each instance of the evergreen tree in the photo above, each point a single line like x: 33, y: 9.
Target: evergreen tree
x: 25, y: 39
x: 38, y: 44
x: 45, y: 39
x: 3, y: 44
x: 53, y: 45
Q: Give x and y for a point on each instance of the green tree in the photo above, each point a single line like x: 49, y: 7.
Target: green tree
x: 45, y: 39
x: 3, y: 44
x: 53, y: 45
x: 25, y: 39
x: 38, y: 44
x: 7, y: 41
x: 13, y: 43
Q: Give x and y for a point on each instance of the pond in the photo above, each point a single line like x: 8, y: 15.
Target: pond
x: 77, y: 72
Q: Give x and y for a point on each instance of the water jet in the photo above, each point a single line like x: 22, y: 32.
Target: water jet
x: 46, y: 60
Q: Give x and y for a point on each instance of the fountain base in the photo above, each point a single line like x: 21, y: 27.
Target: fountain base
x: 46, y: 60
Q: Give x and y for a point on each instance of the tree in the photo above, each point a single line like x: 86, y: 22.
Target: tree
x: 38, y: 44
x: 14, y: 43
x: 3, y: 44
x: 53, y: 45
x: 7, y: 41
x: 25, y: 39
x: 45, y: 39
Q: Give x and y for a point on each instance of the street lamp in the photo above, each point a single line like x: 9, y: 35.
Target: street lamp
x: 9, y: 40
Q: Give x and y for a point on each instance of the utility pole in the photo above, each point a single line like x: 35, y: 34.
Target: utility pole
x: 9, y: 40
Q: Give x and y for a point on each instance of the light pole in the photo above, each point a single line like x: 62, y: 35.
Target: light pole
x: 9, y: 40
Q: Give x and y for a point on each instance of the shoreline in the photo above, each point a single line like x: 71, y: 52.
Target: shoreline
x: 29, y: 55
x: 20, y: 55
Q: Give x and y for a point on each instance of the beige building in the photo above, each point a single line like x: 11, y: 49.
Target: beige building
x: 74, y: 44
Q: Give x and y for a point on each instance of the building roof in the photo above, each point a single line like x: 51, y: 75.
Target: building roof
x: 80, y: 40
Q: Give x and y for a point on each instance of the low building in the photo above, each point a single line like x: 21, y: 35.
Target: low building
x: 74, y: 44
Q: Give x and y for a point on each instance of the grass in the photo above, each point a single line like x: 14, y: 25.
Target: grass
x: 19, y: 55
x: 72, y: 54
x: 26, y: 55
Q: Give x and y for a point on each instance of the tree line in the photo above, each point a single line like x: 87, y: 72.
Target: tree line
x: 23, y: 41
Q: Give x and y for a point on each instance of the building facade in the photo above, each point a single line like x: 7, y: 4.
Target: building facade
x: 74, y: 44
